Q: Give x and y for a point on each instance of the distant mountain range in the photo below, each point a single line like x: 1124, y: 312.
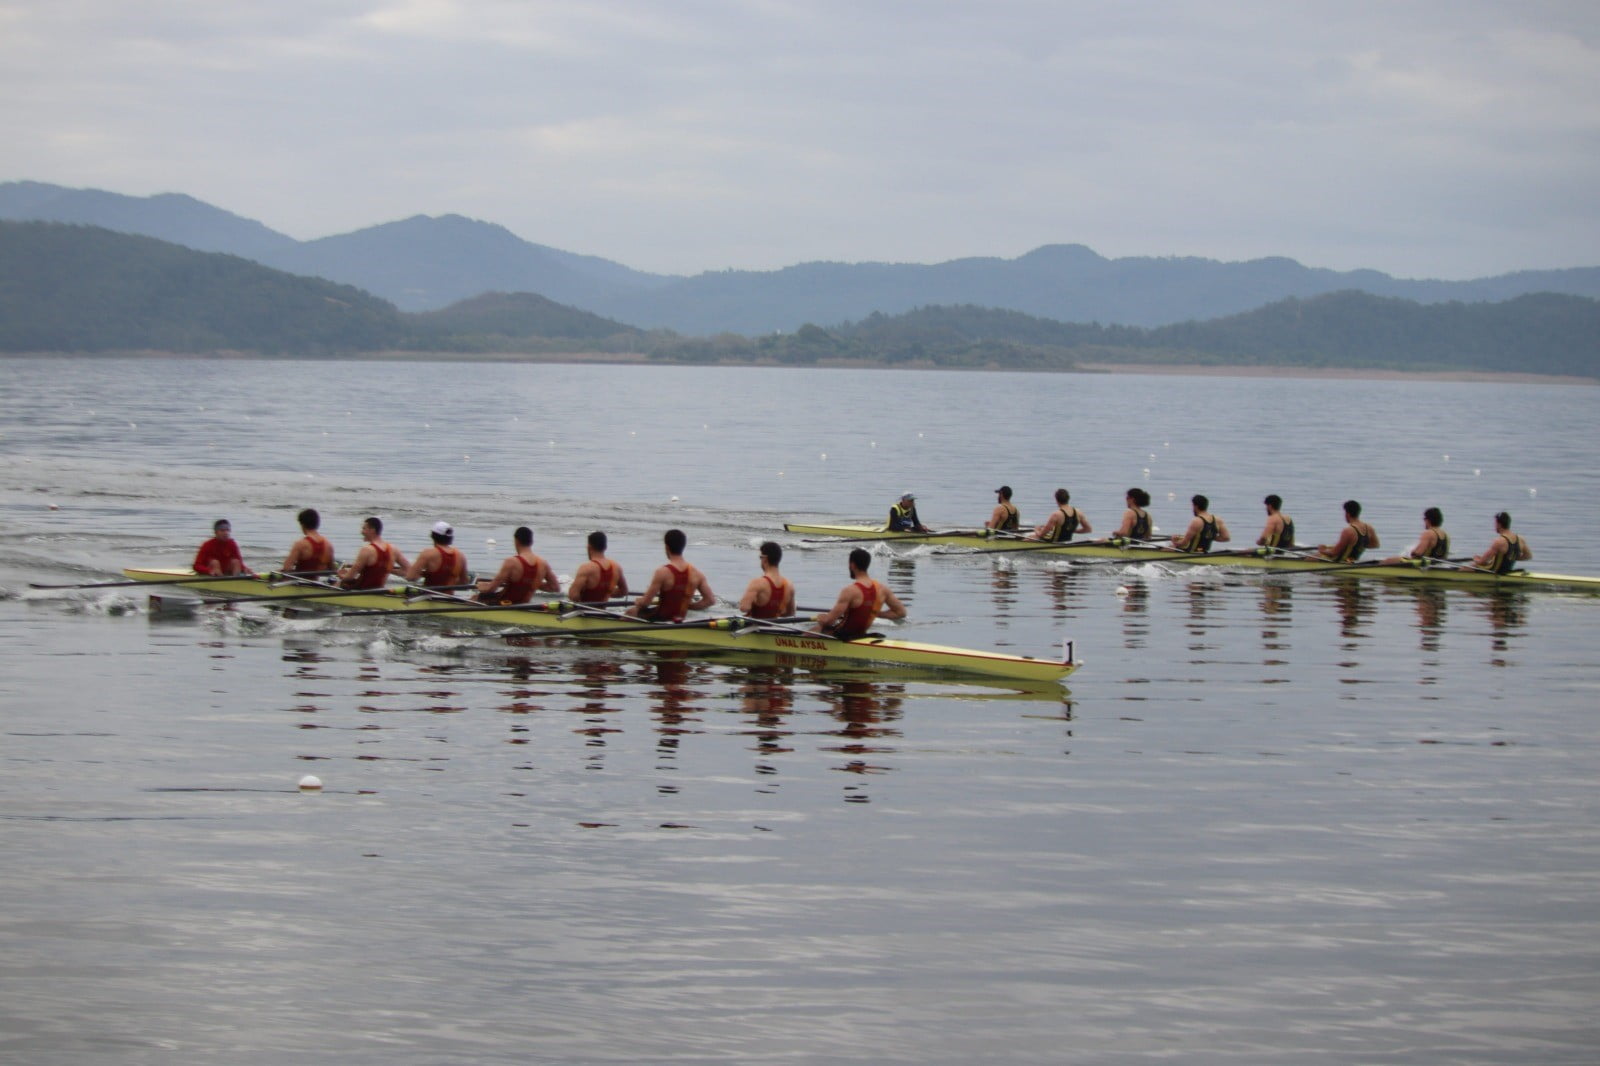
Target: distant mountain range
x: 82, y: 289
x: 424, y: 263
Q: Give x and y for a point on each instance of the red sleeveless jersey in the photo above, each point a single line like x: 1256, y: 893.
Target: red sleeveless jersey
x: 452, y: 569
x: 520, y: 590
x: 673, y: 604
x: 601, y: 590
x: 773, y: 608
x: 321, y: 557
x: 376, y: 576
x: 859, y: 618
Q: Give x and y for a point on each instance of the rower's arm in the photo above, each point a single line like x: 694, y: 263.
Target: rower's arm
x: 648, y: 597
x: 748, y: 601
x: 891, y: 606
x: 703, y: 596
x: 1083, y: 523
x: 501, y: 578
x: 550, y: 583
x: 1222, y: 531
x: 412, y: 570
x: 841, y: 607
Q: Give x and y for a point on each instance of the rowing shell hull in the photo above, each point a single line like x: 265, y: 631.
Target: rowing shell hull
x: 1134, y: 555
x: 545, y: 618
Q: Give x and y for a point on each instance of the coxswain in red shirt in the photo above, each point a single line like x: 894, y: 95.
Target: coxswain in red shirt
x: 860, y: 603
x: 372, y: 565
x: 520, y: 575
x: 676, y: 588
x: 598, y: 579
x: 311, y: 554
x: 220, y: 555
x: 771, y: 595
x: 440, y: 566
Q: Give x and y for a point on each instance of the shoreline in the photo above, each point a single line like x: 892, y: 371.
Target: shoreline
x: 643, y: 359
x: 1337, y: 373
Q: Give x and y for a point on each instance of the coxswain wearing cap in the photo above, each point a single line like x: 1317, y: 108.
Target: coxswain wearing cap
x: 903, y: 516
x: 1278, y: 533
x: 598, y: 579
x: 1506, y: 550
x: 1204, y: 529
x: 312, y: 553
x: 1005, y: 517
x: 676, y: 588
x: 1354, y: 539
x: 1136, y: 520
x: 441, y: 566
x: 1063, y: 523
x: 219, y: 554
x: 771, y: 595
x: 860, y: 604
x: 520, y: 575
x: 372, y: 565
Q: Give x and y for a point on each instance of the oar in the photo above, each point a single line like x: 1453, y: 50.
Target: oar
x: 457, y: 605
x: 1103, y: 542
x: 323, y: 592
x: 892, y: 535
x: 187, y: 579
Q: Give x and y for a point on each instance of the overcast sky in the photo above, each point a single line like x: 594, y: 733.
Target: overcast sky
x: 1437, y: 138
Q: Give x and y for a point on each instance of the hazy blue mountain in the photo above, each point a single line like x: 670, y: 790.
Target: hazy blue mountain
x: 423, y: 263
x: 1068, y: 283
x: 168, y: 217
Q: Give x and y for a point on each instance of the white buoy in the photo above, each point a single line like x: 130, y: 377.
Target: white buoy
x: 1533, y: 492
x: 1122, y: 590
x: 1172, y: 495
x: 310, y: 783
x: 55, y: 507
x: 491, y: 540
x: 824, y: 456
x: 1147, y: 471
x: 1476, y: 472
x: 674, y: 499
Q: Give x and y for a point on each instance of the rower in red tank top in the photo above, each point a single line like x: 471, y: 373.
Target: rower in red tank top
x: 440, y: 566
x: 598, y: 579
x: 372, y: 564
x: 520, y: 575
x: 771, y: 595
x: 312, y: 553
x: 860, y: 603
x: 675, y: 588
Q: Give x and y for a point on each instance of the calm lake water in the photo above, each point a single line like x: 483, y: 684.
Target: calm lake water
x: 1271, y: 820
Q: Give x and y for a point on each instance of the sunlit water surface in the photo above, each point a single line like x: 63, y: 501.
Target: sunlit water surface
x: 1272, y: 819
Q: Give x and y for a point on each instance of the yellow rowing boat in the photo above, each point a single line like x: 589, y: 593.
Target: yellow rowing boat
x: 1294, y: 562
x: 788, y: 642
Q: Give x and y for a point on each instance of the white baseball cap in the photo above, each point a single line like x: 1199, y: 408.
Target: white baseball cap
x: 443, y: 529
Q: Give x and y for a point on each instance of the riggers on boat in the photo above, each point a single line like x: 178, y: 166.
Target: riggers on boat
x: 1299, y: 562
x: 552, y: 617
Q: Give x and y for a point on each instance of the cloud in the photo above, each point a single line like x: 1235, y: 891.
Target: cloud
x: 1424, y: 139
